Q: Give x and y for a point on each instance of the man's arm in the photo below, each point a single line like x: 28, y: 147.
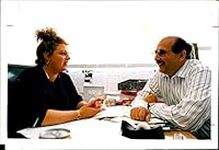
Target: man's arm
x: 194, y: 107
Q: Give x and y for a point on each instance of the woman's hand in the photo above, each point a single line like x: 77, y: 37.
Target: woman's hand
x: 95, y: 102
x: 140, y: 113
x: 91, y: 108
x: 86, y: 111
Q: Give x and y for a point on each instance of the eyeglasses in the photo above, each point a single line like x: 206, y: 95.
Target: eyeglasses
x: 161, y: 52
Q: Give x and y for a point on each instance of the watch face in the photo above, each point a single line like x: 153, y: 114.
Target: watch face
x: 57, y: 133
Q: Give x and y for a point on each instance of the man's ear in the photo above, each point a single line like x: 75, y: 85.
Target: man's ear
x: 182, y: 55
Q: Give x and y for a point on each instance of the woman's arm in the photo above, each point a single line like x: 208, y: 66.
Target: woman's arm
x: 53, y: 117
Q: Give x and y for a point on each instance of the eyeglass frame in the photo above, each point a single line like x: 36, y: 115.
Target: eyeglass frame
x: 161, y: 52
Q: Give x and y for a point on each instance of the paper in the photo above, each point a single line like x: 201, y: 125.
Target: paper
x: 30, y: 133
x: 115, y: 111
x: 119, y: 113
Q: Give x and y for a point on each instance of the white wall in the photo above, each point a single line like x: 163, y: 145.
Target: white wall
x: 110, y: 77
x: 106, y: 31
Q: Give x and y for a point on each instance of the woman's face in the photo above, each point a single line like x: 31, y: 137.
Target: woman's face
x: 59, y: 59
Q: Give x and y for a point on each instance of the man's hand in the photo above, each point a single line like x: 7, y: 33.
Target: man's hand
x: 150, y: 98
x: 140, y: 113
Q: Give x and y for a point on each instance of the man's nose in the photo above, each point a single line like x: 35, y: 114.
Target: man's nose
x: 157, y: 57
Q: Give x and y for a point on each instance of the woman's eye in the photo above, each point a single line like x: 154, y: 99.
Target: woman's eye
x: 63, y: 53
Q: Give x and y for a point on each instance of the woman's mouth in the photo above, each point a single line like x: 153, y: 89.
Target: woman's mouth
x: 65, y: 63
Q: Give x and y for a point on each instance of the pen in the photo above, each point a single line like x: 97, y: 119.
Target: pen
x: 36, y: 121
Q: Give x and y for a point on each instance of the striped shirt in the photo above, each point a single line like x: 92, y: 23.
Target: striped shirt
x: 186, y: 96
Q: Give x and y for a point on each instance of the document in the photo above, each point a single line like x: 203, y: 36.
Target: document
x: 119, y: 113
x: 115, y: 111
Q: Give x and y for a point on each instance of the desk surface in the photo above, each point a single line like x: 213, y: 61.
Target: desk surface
x: 87, y: 129
x: 186, y: 134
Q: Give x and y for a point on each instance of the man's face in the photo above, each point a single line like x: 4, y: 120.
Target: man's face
x: 167, y: 60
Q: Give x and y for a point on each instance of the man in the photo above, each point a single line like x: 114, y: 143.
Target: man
x: 183, y: 86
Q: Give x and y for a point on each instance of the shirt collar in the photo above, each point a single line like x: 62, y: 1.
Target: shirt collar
x: 46, y: 74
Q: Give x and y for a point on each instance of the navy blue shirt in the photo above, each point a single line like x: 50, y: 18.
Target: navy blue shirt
x: 35, y: 94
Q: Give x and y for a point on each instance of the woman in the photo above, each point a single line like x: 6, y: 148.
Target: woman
x: 45, y: 95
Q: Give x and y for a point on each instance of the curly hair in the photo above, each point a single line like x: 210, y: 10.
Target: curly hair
x: 49, y: 41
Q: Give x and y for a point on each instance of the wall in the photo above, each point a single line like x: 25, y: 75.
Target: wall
x: 110, y: 77
x: 106, y: 32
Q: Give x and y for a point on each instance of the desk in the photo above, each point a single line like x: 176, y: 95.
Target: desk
x: 96, y: 128
x: 186, y: 134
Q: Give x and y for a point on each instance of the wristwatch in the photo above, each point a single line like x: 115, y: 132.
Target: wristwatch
x: 149, y: 105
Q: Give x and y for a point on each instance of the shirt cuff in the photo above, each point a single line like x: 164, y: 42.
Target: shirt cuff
x: 139, y: 102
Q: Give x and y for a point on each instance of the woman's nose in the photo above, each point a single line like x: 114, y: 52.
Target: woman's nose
x: 67, y: 56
